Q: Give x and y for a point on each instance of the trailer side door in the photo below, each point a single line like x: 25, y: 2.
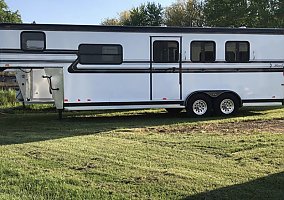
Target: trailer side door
x: 165, y: 68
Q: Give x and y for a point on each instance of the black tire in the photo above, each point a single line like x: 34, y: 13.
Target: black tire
x: 226, y: 104
x: 174, y: 111
x: 199, y: 105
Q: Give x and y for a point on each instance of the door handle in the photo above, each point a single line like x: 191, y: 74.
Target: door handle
x: 171, y: 69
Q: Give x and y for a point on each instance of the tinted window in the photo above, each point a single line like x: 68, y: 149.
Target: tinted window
x: 237, y: 52
x: 166, y: 51
x: 33, y: 41
x: 203, y: 51
x: 100, y: 54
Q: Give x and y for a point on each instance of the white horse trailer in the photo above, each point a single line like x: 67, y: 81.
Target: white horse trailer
x: 109, y: 67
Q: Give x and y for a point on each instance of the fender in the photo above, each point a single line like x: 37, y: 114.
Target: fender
x: 213, y: 94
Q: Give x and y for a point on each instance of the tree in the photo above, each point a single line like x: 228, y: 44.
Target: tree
x: 149, y: 14
x: 214, y: 13
x: 225, y: 13
x: 8, y: 16
x: 279, y: 14
x: 266, y: 13
x: 249, y: 13
x: 185, y: 13
x: 138, y: 17
x: 110, y: 22
x: 154, y: 14
x: 121, y: 20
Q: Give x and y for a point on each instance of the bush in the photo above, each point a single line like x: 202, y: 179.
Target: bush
x: 7, y: 98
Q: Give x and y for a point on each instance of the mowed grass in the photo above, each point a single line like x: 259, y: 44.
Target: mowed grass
x: 141, y: 155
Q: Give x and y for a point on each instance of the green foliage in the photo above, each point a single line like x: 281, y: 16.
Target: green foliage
x: 225, y: 13
x: 279, y: 14
x: 185, y: 13
x: 249, y: 13
x: 265, y: 13
x: 121, y: 20
x: 153, y: 14
x: 149, y: 14
x: 213, y: 13
x: 8, y: 101
x: 7, y: 98
x: 8, y: 16
x: 137, y: 17
x: 110, y: 22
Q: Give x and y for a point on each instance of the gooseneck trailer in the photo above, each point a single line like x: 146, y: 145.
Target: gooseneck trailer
x: 112, y: 67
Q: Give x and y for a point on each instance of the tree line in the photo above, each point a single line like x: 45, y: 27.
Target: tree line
x: 191, y: 13
x: 201, y: 13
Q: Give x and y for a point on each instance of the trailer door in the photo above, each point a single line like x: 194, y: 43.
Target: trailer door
x: 165, y: 68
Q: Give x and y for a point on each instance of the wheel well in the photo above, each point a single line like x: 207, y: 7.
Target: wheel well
x: 213, y: 94
x: 193, y: 94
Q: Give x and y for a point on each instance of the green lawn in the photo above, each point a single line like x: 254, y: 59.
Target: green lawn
x: 141, y: 155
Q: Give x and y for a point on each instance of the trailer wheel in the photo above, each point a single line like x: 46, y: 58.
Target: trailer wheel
x: 199, y: 105
x: 226, y: 104
x: 173, y: 111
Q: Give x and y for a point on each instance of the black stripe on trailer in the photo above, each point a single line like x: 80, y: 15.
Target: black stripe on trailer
x: 176, y: 70
x: 263, y: 100
x: 46, y: 51
x: 130, y: 62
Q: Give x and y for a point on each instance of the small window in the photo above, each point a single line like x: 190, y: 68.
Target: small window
x: 166, y: 51
x: 100, y: 54
x: 203, y: 51
x: 34, y: 41
x: 237, y: 52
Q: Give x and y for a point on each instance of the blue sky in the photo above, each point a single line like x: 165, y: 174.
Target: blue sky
x: 73, y: 11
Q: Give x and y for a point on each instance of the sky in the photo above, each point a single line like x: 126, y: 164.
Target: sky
x: 74, y: 11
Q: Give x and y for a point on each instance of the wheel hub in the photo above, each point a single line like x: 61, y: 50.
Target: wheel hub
x: 227, y: 106
x: 199, y: 107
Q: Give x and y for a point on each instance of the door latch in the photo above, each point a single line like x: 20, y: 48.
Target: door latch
x: 50, y: 84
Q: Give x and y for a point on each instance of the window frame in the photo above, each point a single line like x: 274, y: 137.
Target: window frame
x: 203, y: 41
x: 100, y: 63
x: 178, y: 48
x: 22, y: 37
x: 238, y: 51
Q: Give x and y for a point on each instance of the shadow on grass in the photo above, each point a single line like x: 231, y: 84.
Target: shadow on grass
x: 270, y: 187
x: 18, y: 128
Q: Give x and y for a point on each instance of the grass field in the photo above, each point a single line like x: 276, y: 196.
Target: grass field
x: 141, y: 155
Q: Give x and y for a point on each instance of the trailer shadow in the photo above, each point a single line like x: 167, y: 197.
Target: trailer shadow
x: 18, y: 128
x: 269, y: 187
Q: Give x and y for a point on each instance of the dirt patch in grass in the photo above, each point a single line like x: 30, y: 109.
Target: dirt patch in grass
x: 273, y: 126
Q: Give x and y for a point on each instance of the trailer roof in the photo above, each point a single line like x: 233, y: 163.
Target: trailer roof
x: 141, y: 29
